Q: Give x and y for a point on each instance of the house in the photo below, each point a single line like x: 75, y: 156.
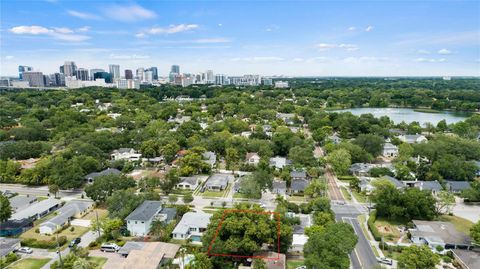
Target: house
x: 210, y: 158
x: 188, y: 183
x: 397, y: 183
x: 279, y: 162
x: 360, y: 169
x: 37, y: 210
x: 286, y: 117
x: 109, y: 171
x: 279, y: 187
x: 457, y: 186
x: 433, y: 186
x: 72, y: 209
x: 191, y: 226
x: 20, y: 202
x: 412, y: 139
x: 218, y: 182
x: 438, y: 233
x: 366, y: 184
x: 238, y: 185
x: 140, y: 220
x: 298, y: 186
x: 335, y: 139
x: 148, y: 255
x: 397, y: 132
x: 390, y: 150
x: 477, y: 163
x: 273, y: 260
x: 15, y: 227
x: 127, y: 154
x: 298, y: 174
x: 8, y: 245
x: 252, y: 158
x: 467, y: 259
x: 246, y: 134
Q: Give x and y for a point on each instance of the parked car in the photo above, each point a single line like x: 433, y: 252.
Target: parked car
x: 386, y: 261
x: 75, y: 242
x: 302, y: 267
x: 109, y: 247
x: 26, y: 250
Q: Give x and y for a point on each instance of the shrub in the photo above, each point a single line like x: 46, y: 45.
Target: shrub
x: 34, y: 243
x: 446, y: 259
x: 8, y: 259
x: 72, y: 229
x: 37, y: 230
x: 372, y: 227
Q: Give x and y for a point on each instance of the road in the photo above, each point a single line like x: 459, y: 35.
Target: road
x: 334, y: 192
x: 363, y: 252
x: 39, y: 190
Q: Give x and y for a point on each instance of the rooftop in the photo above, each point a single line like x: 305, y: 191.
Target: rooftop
x: 439, y: 231
x: 149, y: 255
x: 299, y: 184
x: 69, y: 210
x: 146, y: 211
x: 21, y: 201
x: 218, y: 179
x: 7, y: 245
x: 36, y: 208
x: 105, y: 172
x: 192, y: 219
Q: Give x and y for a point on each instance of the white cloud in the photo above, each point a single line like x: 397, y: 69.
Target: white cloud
x: 298, y: 60
x: 83, y: 15
x: 128, y: 57
x: 212, y: 40
x: 430, y: 60
x: 9, y: 57
x: 260, y: 59
x: 352, y: 28
x: 83, y: 29
x: 220, y: 25
x: 347, y: 47
x: 365, y: 59
x: 59, y: 33
x: 172, y: 29
x: 369, y: 28
x: 444, y: 52
x: 129, y: 13
x: 318, y: 60
x: 421, y: 51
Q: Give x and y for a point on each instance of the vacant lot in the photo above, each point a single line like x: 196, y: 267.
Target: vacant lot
x: 77, y: 232
x: 388, y: 229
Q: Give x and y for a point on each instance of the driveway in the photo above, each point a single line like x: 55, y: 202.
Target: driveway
x: 114, y: 261
x: 470, y: 212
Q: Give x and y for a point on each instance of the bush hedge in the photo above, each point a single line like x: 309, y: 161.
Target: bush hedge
x: 371, y: 226
x: 8, y: 259
x: 34, y: 243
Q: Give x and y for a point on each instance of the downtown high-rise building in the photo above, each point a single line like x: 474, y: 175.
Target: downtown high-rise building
x: 140, y: 74
x: 128, y: 74
x: 148, y: 77
x: 175, y: 69
x: 210, y: 79
x: 114, y: 71
x: 93, y: 71
x: 220, y: 79
x: 154, y: 72
x: 35, y: 79
x: 82, y: 74
x: 174, y: 73
x: 103, y: 75
x: 58, y: 79
x: 23, y: 68
x: 69, y: 68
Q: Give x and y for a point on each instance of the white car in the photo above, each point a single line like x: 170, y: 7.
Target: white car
x: 386, y: 261
x: 26, y: 250
x: 109, y: 247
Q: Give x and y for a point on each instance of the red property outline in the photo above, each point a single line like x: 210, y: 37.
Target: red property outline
x: 243, y: 256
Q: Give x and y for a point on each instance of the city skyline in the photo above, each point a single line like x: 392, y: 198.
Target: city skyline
x: 318, y: 38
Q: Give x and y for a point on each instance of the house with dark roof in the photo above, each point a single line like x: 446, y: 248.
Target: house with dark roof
x: 140, y: 220
x: 438, y: 233
x: 20, y: 202
x: 109, y: 171
x: 8, y: 245
x: 457, y: 186
x: 360, y: 169
x: 188, y: 183
x: 299, y: 174
x: 298, y: 186
x: 279, y: 187
x: 37, y: 210
x: 397, y: 183
x: 433, y: 186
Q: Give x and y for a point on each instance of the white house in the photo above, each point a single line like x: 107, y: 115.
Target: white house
x: 390, y: 150
x: 128, y: 154
x: 335, y: 139
x: 188, y: 183
x: 279, y: 162
x: 191, y: 226
x: 252, y: 158
x: 412, y: 139
x: 140, y: 220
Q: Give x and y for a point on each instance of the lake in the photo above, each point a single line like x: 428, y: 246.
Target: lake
x: 408, y: 115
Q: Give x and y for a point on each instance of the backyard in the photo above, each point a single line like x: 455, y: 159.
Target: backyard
x: 29, y: 263
x: 78, y: 231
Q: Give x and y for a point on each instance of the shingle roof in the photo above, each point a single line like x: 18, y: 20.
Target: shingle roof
x: 218, y: 180
x: 298, y: 174
x: 431, y: 185
x: 145, y: 211
x: 66, y: 212
x: 7, y: 245
x: 107, y: 171
x: 299, y: 184
x: 279, y: 185
x: 396, y: 182
x: 21, y: 201
x: 190, y: 180
x: 36, y: 208
x: 192, y: 219
x: 457, y: 185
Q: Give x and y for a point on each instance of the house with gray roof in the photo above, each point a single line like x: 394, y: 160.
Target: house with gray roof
x: 279, y: 187
x: 218, y: 182
x: 438, y: 233
x: 412, y: 139
x: 37, y: 210
x: 433, y: 186
x: 72, y: 209
x: 8, y: 245
x: 140, y: 220
x: 360, y: 169
x: 210, y: 158
x: 397, y: 183
x: 20, y: 202
x: 188, y: 183
x: 457, y: 186
x: 279, y: 162
x: 390, y: 150
x: 192, y: 226
x: 109, y: 171
x: 298, y: 174
x: 298, y: 186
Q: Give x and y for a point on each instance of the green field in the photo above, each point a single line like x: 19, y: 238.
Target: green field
x: 292, y: 264
x: 461, y: 224
x: 29, y: 263
x: 99, y: 261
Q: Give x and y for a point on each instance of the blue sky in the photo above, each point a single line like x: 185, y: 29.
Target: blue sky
x: 298, y: 38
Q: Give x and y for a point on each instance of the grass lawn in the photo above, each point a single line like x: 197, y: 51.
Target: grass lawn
x: 102, y: 213
x: 461, y: 224
x: 296, y: 198
x: 388, y: 229
x: 210, y: 211
x: 361, y: 198
x: 78, y: 232
x: 213, y: 194
x: 346, y: 194
x: 41, y: 198
x: 29, y: 263
x: 240, y: 196
x: 292, y: 264
x: 99, y: 261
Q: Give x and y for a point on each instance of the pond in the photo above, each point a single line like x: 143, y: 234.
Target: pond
x: 408, y: 115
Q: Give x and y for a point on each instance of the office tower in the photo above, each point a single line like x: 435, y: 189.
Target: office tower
x: 93, y: 71
x: 105, y: 75
x: 128, y: 74
x: 140, y: 73
x: 267, y: 81
x: 175, y: 69
x: 82, y: 74
x: 148, y: 78
x: 23, y: 68
x: 128, y: 84
x: 154, y: 72
x: 35, y: 79
x: 220, y: 79
x: 69, y: 68
x: 59, y: 79
x: 210, y: 78
x: 114, y: 71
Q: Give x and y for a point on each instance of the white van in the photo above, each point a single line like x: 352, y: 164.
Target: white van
x: 109, y: 247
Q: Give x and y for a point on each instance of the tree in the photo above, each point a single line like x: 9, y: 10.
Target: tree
x: 53, y: 189
x: 339, y: 160
x: 188, y: 198
x: 445, y: 200
x: 259, y: 264
x: 371, y: 143
x: 475, y: 233
x: 109, y: 227
x: 302, y: 156
x: 6, y: 209
x: 170, y: 181
x: 472, y: 194
x: 315, y: 188
x: 123, y: 202
x: 104, y: 186
x: 415, y: 257
x: 172, y: 199
x: 200, y: 261
x: 231, y: 158
x: 330, y: 249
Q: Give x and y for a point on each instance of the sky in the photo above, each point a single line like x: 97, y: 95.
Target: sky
x: 291, y: 38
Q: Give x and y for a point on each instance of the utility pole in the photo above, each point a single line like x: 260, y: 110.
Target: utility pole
x: 59, y: 252
x: 98, y: 224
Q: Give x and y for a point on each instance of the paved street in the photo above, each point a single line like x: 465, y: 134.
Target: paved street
x: 363, y: 252
x: 39, y: 190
